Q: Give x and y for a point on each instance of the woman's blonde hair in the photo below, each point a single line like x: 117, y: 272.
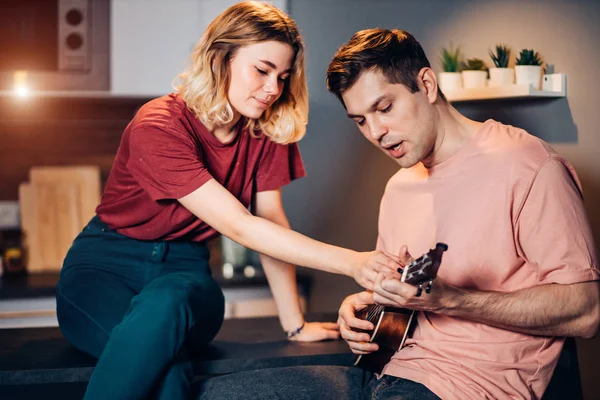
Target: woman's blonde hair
x: 204, y: 85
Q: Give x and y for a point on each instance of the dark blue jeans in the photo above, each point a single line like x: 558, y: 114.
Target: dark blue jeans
x: 312, y: 382
x: 139, y: 307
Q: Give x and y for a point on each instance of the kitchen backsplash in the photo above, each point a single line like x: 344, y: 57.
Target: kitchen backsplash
x: 43, y: 131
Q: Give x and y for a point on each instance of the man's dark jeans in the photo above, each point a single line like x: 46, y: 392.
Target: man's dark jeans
x: 312, y: 383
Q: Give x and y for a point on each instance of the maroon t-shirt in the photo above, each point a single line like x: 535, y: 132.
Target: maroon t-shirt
x: 167, y: 153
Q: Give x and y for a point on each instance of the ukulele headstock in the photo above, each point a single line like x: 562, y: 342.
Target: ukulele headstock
x: 425, y: 267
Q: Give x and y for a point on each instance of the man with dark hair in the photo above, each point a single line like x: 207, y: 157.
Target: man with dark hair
x: 396, y: 54
x: 521, y: 271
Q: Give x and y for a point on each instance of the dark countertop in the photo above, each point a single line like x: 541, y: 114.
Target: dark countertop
x: 40, y: 363
x: 42, y: 355
x: 28, y: 286
x: 44, y: 284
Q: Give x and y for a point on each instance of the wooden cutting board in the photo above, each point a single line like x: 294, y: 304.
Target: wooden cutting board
x: 55, y: 206
x: 29, y: 227
x: 85, y: 178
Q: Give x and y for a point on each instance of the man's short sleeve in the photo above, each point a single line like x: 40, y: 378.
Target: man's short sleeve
x: 166, y: 164
x: 553, y: 231
x: 280, y: 164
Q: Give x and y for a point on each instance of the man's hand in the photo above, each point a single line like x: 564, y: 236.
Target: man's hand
x: 370, y: 264
x: 543, y: 310
x: 391, y: 292
x: 358, y: 341
x: 317, y: 331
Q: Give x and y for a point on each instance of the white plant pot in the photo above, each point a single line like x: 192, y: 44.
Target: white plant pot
x: 474, y: 79
x: 449, y: 81
x: 501, y: 76
x: 529, y: 74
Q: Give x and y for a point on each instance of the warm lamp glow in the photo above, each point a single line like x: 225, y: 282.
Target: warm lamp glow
x: 22, y: 91
x: 20, y: 81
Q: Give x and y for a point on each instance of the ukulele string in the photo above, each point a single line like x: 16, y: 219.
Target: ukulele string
x: 374, y: 312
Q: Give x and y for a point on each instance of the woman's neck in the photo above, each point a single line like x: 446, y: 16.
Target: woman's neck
x: 226, y: 133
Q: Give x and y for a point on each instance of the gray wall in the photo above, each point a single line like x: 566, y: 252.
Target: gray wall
x: 338, y: 201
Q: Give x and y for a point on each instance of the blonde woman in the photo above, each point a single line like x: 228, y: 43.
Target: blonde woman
x: 135, y: 289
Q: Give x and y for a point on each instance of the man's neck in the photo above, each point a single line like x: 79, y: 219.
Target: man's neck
x: 454, y: 131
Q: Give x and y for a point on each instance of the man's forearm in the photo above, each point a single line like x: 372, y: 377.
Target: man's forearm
x: 547, y: 310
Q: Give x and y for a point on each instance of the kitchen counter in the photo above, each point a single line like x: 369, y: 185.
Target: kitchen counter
x: 44, y: 284
x: 28, y: 286
x: 39, y: 362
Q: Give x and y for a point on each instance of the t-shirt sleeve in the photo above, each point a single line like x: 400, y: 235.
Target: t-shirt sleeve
x: 553, y: 231
x: 279, y: 165
x: 166, y: 164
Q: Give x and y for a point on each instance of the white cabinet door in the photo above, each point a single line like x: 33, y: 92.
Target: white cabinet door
x: 151, y: 41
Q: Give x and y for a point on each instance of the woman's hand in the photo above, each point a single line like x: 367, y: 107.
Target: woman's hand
x: 349, y: 324
x: 370, y: 264
x: 394, y: 293
x: 317, y: 331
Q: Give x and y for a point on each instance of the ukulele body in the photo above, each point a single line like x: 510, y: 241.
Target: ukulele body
x: 392, y: 325
x: 391, y: 330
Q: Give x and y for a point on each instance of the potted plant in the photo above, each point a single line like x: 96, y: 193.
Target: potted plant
x: 474, y: 73
x: 450, y: 79
x: 528, y: 68
x: 501, y: 75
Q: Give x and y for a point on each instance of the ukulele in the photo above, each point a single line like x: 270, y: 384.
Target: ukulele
x: 392, y: 325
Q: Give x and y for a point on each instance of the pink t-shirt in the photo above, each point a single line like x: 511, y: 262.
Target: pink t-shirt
x: 511, y: 212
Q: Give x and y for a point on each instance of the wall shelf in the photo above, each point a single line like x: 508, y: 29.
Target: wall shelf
x: 553, y: 85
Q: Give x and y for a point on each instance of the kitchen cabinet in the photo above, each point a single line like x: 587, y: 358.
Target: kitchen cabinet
x: 151, y: 41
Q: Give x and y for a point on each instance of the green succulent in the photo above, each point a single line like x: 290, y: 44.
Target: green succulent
x: 450, y: 59
x: 501, y: 57
x: 474, y: 64
x: 529, y: 57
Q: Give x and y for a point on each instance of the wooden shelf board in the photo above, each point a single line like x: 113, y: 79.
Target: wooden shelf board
x: 553, y: 85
